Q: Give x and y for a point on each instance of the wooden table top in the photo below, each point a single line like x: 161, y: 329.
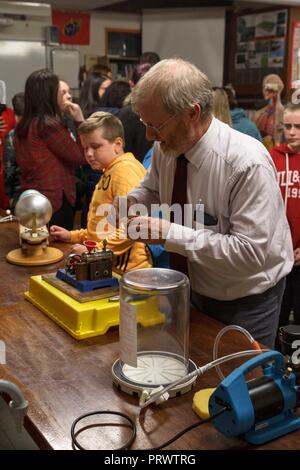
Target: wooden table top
x: 63, y: 378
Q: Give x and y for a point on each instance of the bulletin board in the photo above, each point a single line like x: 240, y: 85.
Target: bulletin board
x: 295, y: 51
x: 65, y: 64
x: 260, y: 45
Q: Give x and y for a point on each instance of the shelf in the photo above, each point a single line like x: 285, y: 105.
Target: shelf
x: 123, y: 48
x: 122, y: 58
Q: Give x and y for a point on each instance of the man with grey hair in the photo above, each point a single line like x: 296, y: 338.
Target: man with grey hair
x: 237, y: 261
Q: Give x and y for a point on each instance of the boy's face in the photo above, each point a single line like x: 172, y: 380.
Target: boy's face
x: 291, y: 123
x: 98, y: 151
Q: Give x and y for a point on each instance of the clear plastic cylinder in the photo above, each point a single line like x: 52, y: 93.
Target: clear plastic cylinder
x: 154, y: 326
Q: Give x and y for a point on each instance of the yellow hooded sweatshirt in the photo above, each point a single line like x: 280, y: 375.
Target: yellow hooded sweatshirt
x: 119, y: 178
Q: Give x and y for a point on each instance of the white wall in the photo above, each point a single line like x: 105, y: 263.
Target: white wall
x: 195, y: 34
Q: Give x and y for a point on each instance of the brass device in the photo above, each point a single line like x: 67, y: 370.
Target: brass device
x: 33, y: 211
x: 92, y: 264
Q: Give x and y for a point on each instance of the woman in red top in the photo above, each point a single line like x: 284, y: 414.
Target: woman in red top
x: 46, y: 153
x: 7, y: 123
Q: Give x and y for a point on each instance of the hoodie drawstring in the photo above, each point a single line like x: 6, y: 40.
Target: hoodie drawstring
x: 287, y: 169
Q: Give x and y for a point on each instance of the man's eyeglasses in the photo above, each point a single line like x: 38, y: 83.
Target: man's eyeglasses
x: 288, y: 127
x: 158, y: 128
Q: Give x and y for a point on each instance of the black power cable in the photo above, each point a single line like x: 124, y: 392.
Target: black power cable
x: 130, y: 441
x: 93, y: 413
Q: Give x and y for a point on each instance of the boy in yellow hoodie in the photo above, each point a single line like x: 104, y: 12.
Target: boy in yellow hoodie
x: 102, y: 138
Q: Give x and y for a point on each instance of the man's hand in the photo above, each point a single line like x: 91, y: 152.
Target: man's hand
x: 60, y: 234
x: 148, y: 229
x: 297, y: 257
x: 119, y: 210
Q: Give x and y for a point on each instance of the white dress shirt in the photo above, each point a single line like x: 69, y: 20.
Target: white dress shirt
x: 248, y: 248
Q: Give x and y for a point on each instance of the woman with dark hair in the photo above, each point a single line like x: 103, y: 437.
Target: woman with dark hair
x: 92, y: 90
x: 45, y: 151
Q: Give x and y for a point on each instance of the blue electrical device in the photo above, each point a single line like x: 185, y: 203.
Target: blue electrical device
x: 261, y: 409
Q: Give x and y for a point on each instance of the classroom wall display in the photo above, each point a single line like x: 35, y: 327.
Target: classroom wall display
x: 260, y: 44
x: 295, y: 51
x: 261, y: 40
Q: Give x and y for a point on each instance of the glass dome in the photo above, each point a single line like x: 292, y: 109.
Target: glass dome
x: 154, y: 328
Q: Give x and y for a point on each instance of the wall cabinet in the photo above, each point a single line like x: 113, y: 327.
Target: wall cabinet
x: 123, y: 49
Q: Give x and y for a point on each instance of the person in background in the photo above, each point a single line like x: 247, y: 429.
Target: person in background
x: 135, y: 135
x: 237, y: 259
x: 92, y: 91
x: 221, y: 108
x: 287, y: 161
x: 64, y: 95
x: 149, y: 57
x: 101, y: 69
x: 102, y: 138
x: 45, y: 152
x: 114, y: 96
x: 7, y: 123
x: 268, y: 119
x: 240, y: 122
x: 11, y: 170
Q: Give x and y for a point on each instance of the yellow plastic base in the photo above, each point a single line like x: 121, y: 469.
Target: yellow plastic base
x: 200, y: 402
x: 84, y: 320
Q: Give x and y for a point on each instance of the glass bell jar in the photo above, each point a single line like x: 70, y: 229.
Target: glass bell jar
x: 154, y: 331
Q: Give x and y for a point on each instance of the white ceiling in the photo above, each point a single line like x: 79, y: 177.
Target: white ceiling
x: 71, y: 4
x: 92, y: 4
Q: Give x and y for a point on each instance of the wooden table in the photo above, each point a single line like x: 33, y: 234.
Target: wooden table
x: 63, y: 378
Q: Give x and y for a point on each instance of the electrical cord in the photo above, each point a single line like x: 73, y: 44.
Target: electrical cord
x: 130, y: 441
x: 93, y: 413
x: 189, y: 428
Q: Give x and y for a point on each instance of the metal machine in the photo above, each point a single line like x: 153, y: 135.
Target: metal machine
x: 89, y: 270
x: 33, y: 211
x: 261, y: 409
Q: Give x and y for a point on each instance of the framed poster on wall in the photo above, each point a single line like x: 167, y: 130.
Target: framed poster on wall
x: 295, y: 52
x: 260, y: 45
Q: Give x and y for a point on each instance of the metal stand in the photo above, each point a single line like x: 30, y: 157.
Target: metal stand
x: 8, y: 218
